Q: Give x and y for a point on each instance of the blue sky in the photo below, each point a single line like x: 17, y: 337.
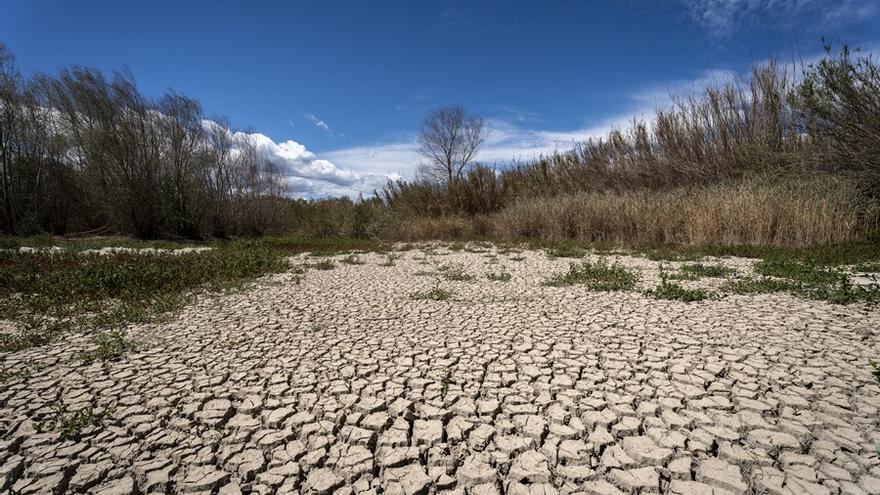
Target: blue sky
x: 337, y: 89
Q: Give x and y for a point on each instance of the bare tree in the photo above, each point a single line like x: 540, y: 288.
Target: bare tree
x: 448, y: 142
x: 10, y: 108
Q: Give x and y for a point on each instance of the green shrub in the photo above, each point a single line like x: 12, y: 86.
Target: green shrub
x: 752, y: 285
x: 567, y: 251
x: 109, y: 346
x: 71, y: 424
x: 805, y: 279
x: 352, y: 259
x: 501, y: 276
x: 599, y: 276
x: 700, y: 270
x: 48, y: 292
x: 673, y: 291
x: 455, y: 272
x: 324, y: 265
x: 435, y: 294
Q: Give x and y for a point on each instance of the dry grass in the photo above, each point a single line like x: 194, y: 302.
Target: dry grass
x: 696, y: 173
x: 789, y: 213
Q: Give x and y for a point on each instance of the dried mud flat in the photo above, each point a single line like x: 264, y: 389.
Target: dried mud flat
x: 343, y: 384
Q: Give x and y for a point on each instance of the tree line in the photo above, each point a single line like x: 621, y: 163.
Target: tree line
x: 81, y: 152
x: 818, y: 118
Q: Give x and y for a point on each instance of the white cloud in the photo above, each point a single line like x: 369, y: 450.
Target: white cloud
x: 506, y: 141
x: 309, y: 176
x: 511, y: 135
x: 318, y: 122
x: 398, y: 159
x: 724, y: 17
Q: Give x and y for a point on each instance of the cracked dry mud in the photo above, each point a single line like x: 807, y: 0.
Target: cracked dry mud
x: 343, y: 384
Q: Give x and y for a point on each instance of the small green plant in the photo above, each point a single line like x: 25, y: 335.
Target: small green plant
x: 698, y: 270
x: 35, y: 332
x: 752, y: 285
x: 435, y: 294
x: 324, y: 265
x: 317, y: 327
x: 49, y: 293
x: 445, y: 380
x: 774, y: 453
x: 501, y: 276
x: 668, y: 254
x: 475, y: 249
x: 875, y: 369
x: 598, y: 276
x: 806, y: 444
x: 671, y: 290
x: 554, y: 479
x: 567, y: 251
x: 390, y: 258
x: 798, y: 271
x: 70, y: 424
x: 455, y: 272
x: 352, y: 259
x: 109, y: 346
x: 867, y: 268
x: 805, y: 279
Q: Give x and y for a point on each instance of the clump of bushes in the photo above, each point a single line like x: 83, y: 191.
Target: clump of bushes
x: 436, y: 293
x: 72, y: 424
x: 597, y: 275
x: 673, y: 291
x: 48, y: 292
x: 806, y: 279
x: 109, y: 346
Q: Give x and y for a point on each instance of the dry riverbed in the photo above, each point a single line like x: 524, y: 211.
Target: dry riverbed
x: 388, y: 377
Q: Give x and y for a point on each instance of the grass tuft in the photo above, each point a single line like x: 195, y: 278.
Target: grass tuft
x: 698, y: 270
x: 71, y: 424
x: 804, y: 279
x: 501, y: 276
x: 567, y: 251
x: 352, y: 259
x: 323, y: 265
x: 672, y: 291
x: 435, y: 294
x: 598, y: 276
x: 109, y: 346
x: 455, y: 272
x: 48, y: 293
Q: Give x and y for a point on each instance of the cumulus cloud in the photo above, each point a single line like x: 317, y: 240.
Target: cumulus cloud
x: 311, y: 176
x: 512, y: 135
x: 308, y: 175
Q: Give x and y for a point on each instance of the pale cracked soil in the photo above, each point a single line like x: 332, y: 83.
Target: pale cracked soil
x: 343, y: 384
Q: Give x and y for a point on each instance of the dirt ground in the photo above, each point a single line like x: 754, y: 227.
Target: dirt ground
x: 339, y: 382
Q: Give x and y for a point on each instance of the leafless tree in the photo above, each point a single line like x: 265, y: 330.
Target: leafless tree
x: 10, y: 102
x: 448, y: 141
